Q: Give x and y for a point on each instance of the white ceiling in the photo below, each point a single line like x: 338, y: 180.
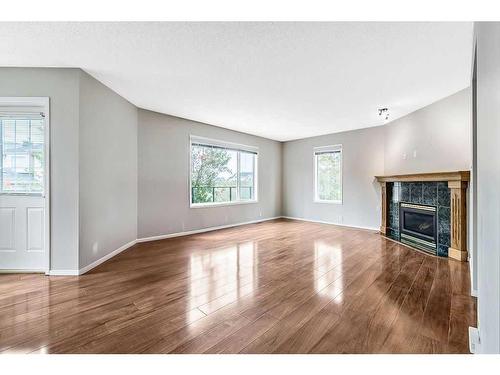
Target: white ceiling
x: 281, y: 81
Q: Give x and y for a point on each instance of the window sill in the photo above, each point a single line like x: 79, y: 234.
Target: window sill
x: 5, y: 194
x: 328, y: 202
x: 221, y: 204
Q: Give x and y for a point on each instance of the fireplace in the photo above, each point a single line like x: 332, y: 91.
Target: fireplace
x: 440, y: 198
x: 418, y: 226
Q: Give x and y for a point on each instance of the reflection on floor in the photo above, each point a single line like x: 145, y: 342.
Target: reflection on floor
x: 276, y: 287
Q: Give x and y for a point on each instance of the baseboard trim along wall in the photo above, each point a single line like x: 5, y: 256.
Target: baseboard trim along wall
x: 63, y: 273
x: 106, y: 257
x: 99, y: 261
x: 330, y: 223
x: 209, y: 229
x: 21, y: 271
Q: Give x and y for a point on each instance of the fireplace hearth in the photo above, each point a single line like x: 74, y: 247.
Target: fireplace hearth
x: 418, y: 226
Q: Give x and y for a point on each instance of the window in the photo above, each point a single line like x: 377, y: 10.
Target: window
x: 22, y: 153
x: 328, y: 174
x: 222, y: 173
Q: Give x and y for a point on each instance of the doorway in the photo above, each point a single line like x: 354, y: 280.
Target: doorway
x: 24, y: 184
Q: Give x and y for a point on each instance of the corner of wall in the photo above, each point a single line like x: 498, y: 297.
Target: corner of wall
x: 282, y: 185
x: 97, y: 106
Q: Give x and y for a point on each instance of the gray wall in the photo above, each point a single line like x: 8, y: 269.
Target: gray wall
x: 61, y: 85
x: 108, y: 171
x: 488, y: 182
x: 163, y: 203
x: 439, y: 134
x: 363, y: 158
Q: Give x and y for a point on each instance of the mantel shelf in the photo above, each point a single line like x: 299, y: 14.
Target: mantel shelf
x: 423, y: 177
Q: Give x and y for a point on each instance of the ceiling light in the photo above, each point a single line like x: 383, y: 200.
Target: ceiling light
x: 384, y: 113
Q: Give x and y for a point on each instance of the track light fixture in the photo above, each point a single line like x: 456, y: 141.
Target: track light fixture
x: 384, y: 113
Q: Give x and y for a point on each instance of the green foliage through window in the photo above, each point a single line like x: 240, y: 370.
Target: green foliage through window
x: 221, y: 175
x: 328, y: 176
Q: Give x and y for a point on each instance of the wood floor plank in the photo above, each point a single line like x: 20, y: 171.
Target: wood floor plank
x: 363, y: 327
x: 281, y: 286
x: 436, y: 318
x: 241, y: 338
x: 211, y: 337
x: 407, y: 324
x: 307, y: 336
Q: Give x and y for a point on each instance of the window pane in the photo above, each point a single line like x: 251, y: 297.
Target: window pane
x: 329, y: 184
x: 213, y: 174
x: 247, y: 166
x: 22, y: 148
x: 221, y: 175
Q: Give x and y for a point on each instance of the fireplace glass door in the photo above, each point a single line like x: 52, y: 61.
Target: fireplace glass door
x: 418, y: 226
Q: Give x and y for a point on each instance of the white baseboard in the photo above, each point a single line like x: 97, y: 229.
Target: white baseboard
x: 63, y: 273
x: 473, y: 288
x: 155, y: 238
x: 106, y: 257
x: 209, y: 229
x: 21, y: 271
x: 92, y: 265
x: 330, y: 223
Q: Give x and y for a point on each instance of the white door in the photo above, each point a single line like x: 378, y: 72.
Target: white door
x: 23, y: 218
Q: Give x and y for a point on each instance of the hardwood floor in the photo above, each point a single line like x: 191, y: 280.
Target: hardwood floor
x: 280, y: 286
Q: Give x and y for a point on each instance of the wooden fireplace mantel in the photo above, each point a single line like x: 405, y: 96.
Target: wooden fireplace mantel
x: 457, y: 183
x: 427, y: 177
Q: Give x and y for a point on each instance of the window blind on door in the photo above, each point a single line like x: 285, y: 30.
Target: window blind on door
x: 22, y: 149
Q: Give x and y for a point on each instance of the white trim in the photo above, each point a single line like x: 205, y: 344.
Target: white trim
x: 330, y: 148
x: 220, y: 204
x: 472, y: 194
x: 224, y: 144
x: 87, y: 268
x: 21, y: 271
x: 328, y: 202
x: 321, y: 149
x: 209, y: 229
x: 106, y: 257
x: 63, y: 273
x: 92, y: 265
x: 39, y: 102
x: 330, y: 223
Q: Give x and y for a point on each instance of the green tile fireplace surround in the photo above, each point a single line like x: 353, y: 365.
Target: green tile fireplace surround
x: 444, y: 191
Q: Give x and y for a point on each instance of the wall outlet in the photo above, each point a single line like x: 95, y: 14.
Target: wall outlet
x: 474, y: 340
x: 260, y: 213
x: 414, y: 154
x: 405, y: 156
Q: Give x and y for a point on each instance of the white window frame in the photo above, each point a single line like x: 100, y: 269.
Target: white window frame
x: 229, y: 145
x: 323, y: 149
x: 23, y: 108
x: 27, y: 103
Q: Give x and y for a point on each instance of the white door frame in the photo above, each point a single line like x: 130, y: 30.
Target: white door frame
x: 43, y: 102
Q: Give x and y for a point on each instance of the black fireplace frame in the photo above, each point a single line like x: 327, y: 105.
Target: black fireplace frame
x: 417, y: 239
